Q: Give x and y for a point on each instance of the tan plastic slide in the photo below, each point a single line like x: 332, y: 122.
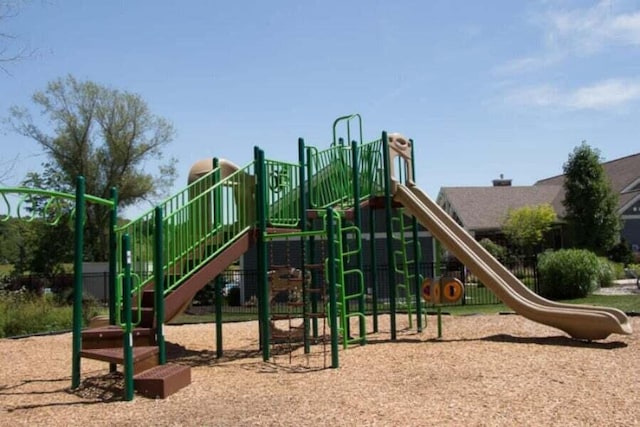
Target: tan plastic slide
x: 579, y: 321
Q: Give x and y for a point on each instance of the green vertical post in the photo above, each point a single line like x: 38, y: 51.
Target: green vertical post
x: 113, y: 250
x: 311, y: 241
x: 389, y: 229
x: 77, y: 282
x: 219, y: 282
x: 127, y: 338
x: 217, y: 198
x: 373, y: 267
x: 303, y: 244
x: 158, y: 276
x: 263, y: 289
x: 357, y: 219
x: 416, y: 253
x: 113, y: 253
x: 331, y: 266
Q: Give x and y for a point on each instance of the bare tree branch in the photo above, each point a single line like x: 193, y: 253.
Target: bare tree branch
x: 8, y: 52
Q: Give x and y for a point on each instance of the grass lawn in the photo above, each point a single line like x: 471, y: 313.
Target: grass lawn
x: 626, y: 303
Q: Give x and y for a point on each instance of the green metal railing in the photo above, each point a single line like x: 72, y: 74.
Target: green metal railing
x: 330, y: 178
x: 346, y: 121
x: 47, y: 206
x: 198, y: 223
x: 370, y: 169
x: 282, y: 193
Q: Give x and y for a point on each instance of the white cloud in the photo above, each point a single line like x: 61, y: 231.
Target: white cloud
x: 528, y: 63
x: 578, y: 32
x: 603, y: 95
x: 607, y: 94
x: 586, y: 31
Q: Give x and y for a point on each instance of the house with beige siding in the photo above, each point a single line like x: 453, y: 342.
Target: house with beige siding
x: 483, y: 210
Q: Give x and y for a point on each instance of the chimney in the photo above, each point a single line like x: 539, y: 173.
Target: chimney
x: 501, y: 182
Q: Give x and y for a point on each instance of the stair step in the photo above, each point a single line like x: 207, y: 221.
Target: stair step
x: 111, y: 336
x: 295, y: 304
x: 314, y: 266
x: 316, y: 315
x: 282, y: 317
x: 144, y: 357
x: 148, y: 297
x: 162, y: 381
x: 147, y: 319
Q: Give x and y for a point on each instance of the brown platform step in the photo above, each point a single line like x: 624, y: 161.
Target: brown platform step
x: 144, y: 357
x: 111, y: 336
x: 282, y: 317
x: 148, y: 297
x: 316, y: 315
x: 147, y: 318
x: 162, y: 380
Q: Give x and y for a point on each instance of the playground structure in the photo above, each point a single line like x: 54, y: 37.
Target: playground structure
x: 160, y: 260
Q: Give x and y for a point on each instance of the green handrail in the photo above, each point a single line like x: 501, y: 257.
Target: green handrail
x: 347, y: 119
x: 54, y: 204
x: 198, y: 223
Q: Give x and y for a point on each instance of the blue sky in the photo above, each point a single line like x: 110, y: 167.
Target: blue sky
x: 482, y: 87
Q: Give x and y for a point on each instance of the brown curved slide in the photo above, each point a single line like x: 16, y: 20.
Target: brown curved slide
x: 579, y: 321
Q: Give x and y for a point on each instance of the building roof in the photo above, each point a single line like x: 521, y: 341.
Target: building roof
x: 485, y: 208
x: 624, y: 174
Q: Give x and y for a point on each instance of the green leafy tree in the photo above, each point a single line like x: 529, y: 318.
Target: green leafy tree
x: 590, y: 203
x: 105, y: 135
x: 525, y: 227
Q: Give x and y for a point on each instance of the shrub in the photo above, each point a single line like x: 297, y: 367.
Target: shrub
x: 568, y: 273
x: 529, y: 282
x: 618, y: 270
x: 606, y: 273
x: 23, y: 313
x: 621, y: 252
x: 497, y: 251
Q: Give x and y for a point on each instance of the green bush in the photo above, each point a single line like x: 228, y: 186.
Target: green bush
x: 621, y: 252
x: 529, y: 282
x: 606, y: 273
x: 22, y: 313
x: 497, y: 251
x: 618, y: 270
x: 568, y: 273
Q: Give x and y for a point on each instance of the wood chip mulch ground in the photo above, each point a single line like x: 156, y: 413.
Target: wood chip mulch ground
x: 487, y: 370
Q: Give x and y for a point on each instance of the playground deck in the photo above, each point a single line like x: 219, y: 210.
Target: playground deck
x: 487, y: 370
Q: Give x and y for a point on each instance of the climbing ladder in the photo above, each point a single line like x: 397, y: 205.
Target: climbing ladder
x: 344, y: 274
x: 404, y: 261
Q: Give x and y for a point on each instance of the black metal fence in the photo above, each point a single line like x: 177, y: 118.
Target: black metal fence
x: 241, y: 286
x: 241, y: 290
